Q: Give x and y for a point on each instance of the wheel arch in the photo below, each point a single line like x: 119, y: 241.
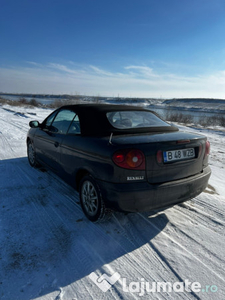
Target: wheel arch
x: 79, y: 175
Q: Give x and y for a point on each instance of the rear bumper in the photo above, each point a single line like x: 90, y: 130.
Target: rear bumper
x: 142, y: 196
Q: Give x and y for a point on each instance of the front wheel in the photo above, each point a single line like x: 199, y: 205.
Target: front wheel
x: 91, y: 199
x: 31, y: 155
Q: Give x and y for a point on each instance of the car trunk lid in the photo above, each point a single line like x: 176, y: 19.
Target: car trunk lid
x: 186, y: 150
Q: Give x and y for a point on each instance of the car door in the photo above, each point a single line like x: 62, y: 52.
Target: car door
x: 71, y: 148
x: 51, y: 136
x: 43, y: 138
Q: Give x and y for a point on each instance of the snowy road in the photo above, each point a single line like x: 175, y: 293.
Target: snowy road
x: 48, y: 248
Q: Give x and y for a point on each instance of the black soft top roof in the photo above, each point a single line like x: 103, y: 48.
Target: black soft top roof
x: 93, y: 119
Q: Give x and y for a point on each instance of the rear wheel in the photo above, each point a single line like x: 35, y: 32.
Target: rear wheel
x: 31, y: 155
x: 91, y: 200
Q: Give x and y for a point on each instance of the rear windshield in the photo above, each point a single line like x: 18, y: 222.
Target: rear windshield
x: 134, y: 119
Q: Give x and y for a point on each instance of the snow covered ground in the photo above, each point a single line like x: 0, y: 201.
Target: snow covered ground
x: 48, y: 249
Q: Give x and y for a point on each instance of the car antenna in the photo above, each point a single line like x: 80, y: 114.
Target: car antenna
x: 110, y: 138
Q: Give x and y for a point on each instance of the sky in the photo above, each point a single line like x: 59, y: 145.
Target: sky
x: 136, y: 48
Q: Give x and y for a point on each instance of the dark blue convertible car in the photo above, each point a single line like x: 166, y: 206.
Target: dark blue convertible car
x: 122, y: 158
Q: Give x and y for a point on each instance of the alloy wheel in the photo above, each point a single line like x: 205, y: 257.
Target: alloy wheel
x: 31, y: 154
x: 90, y: 198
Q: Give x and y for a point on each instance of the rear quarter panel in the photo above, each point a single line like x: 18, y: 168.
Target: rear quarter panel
x: 94, y: 154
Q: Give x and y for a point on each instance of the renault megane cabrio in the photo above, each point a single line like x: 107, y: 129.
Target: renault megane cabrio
x: 120, y: 157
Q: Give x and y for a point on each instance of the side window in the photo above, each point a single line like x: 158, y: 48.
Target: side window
x: 75, y: 126
x: 63, y: 120
x: 49, y: 120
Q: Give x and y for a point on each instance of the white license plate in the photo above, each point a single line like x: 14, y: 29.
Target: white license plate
x: 178, y: 154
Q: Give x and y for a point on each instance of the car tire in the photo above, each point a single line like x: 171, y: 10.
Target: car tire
x: 31, y: 155
x: 91, y: 200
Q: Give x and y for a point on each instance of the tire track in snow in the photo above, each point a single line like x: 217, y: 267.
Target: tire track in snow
x: 136, y: 239
x: 14, y: 125
x: 196, y: 243
x: 197, y: 215
x: 193, y: 237
x: 8, y: 145
x: 187, y: 251
x: 212, y: 208
x: 154, y: 259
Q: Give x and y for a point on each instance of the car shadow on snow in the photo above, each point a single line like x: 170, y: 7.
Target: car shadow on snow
x: 48, y: 243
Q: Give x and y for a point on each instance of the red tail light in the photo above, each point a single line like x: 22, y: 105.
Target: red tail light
x: 159, y: 156
x: 129, y: 159
x: 207, y: 148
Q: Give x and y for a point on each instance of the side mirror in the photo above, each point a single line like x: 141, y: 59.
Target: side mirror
x: 34, y: 124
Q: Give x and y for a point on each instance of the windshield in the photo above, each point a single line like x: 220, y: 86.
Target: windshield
x: 134, y: 119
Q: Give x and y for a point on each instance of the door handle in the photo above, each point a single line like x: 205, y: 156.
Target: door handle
x: 56, y: 144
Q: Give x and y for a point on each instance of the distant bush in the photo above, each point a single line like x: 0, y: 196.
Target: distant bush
x: 179, y: 117
x: 10, y: 102
x: 60, y: 102
x: 3, y: 101
x: 222, y: 121
x: 22, y: 101
x: 216, y: 120
x: 55, y: 104
x: 205, y: 121
x: 33, y: 102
